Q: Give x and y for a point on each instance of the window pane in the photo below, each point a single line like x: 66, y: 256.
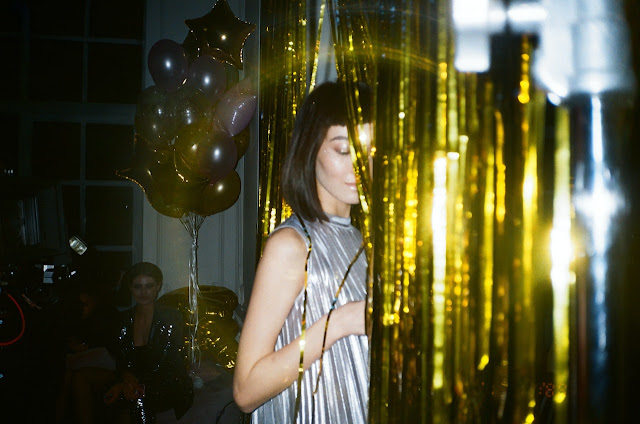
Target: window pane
x: 71, y: 204
x: 56, y: 150
x: 117, y: 18
x: 115, y: 73
x: 9, y: 145
x: 10, y: 81
x: 109, y: 148
x: 56, y: 70
x: 103, y: 270
x: 109, y: 215
x: 12, y: 15
x: 112, y: 266
x: 54, y: 18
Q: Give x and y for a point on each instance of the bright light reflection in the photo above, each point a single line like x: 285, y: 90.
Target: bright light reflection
x: 439, y: 228
x: 561, y: 253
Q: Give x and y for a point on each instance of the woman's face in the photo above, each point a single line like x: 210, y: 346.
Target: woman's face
x: 335, y: 178
x: 144, y: 289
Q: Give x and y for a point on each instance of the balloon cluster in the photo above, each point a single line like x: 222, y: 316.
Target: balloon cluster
x: 191, y: 129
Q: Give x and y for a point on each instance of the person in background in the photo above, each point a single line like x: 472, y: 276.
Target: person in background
x: 151, y: 375
x: 89, y: 331
x: 320, y: 185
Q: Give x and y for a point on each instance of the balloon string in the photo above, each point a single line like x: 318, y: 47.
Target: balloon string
x: 303, y: 323
x: 192, y: 223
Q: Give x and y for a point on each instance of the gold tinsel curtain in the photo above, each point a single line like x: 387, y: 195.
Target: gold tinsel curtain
x: 283, y: 82
x: 460, y: 260
x: 467, y: 221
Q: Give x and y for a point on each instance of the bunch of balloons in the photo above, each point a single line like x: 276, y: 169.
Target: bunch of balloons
x: 191, y: 129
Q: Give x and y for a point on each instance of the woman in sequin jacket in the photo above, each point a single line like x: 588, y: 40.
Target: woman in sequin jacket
x: 151, y: 369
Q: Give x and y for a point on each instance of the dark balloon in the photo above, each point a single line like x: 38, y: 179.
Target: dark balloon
x: 151, y: 177
x: 192, y: 47
x: 189, y: 109
x: 144, y: 164
x: 220, y: 34
x: 242, y: 142
x: 184, y: 194
x: 168, y: 64
x: 158, y: 201
x: 170, y: 191
x: 153, y: 121
x: 236, y: 108
x: 208, y: 75
x: 216, y: 156
x: 219, y: 196
x: 189, y: 146
x: 212, y: 154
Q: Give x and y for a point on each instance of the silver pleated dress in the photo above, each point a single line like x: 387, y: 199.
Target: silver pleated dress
x: 343, y: 392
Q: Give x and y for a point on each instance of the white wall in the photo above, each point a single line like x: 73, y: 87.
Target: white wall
x: 226, y: 254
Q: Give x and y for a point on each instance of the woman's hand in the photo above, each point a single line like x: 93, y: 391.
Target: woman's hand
x: 131, y: 387
x: 349, y: 318
x: 113, y: 394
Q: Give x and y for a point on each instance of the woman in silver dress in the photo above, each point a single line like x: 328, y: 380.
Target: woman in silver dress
x: 312, y: 270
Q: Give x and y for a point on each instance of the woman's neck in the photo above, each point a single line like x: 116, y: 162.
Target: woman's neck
x: 145, y: 311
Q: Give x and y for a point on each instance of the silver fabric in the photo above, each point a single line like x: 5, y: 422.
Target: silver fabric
x: 343, y: 391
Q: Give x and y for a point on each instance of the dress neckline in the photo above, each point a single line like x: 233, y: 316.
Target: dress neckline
x: 339, y: 220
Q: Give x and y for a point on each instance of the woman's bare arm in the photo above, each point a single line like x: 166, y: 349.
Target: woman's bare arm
x: 261, y: 373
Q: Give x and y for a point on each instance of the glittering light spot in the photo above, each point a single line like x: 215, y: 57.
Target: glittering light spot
x: 554, y: 99
x: 560, y: 397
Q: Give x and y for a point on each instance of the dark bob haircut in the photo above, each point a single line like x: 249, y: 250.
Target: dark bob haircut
x: 143, y: 268
x: 324, y: 107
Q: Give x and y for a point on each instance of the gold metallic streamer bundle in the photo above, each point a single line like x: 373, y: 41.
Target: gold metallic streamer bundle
x: 283, y: 63
x: 453, y: 221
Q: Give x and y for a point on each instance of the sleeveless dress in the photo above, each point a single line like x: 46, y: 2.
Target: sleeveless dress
x: 343, y: 392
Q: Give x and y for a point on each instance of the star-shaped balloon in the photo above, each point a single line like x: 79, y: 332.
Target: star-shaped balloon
x: 219, y: 33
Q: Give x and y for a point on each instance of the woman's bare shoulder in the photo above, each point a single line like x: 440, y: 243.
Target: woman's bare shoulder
x: 285, y: 241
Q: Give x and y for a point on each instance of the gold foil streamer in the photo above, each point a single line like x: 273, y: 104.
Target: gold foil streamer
x: 333, y: 307
x: 316, y: 52
x: 562, y: 275
x: 499, y: 326
x: 356, y: 65
x: 303, y: 321
x: 283, y: 63
x: 485, y: 271
x: 523, y: 354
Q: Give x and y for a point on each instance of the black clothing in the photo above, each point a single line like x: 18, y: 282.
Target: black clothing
x: 159, y: 365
